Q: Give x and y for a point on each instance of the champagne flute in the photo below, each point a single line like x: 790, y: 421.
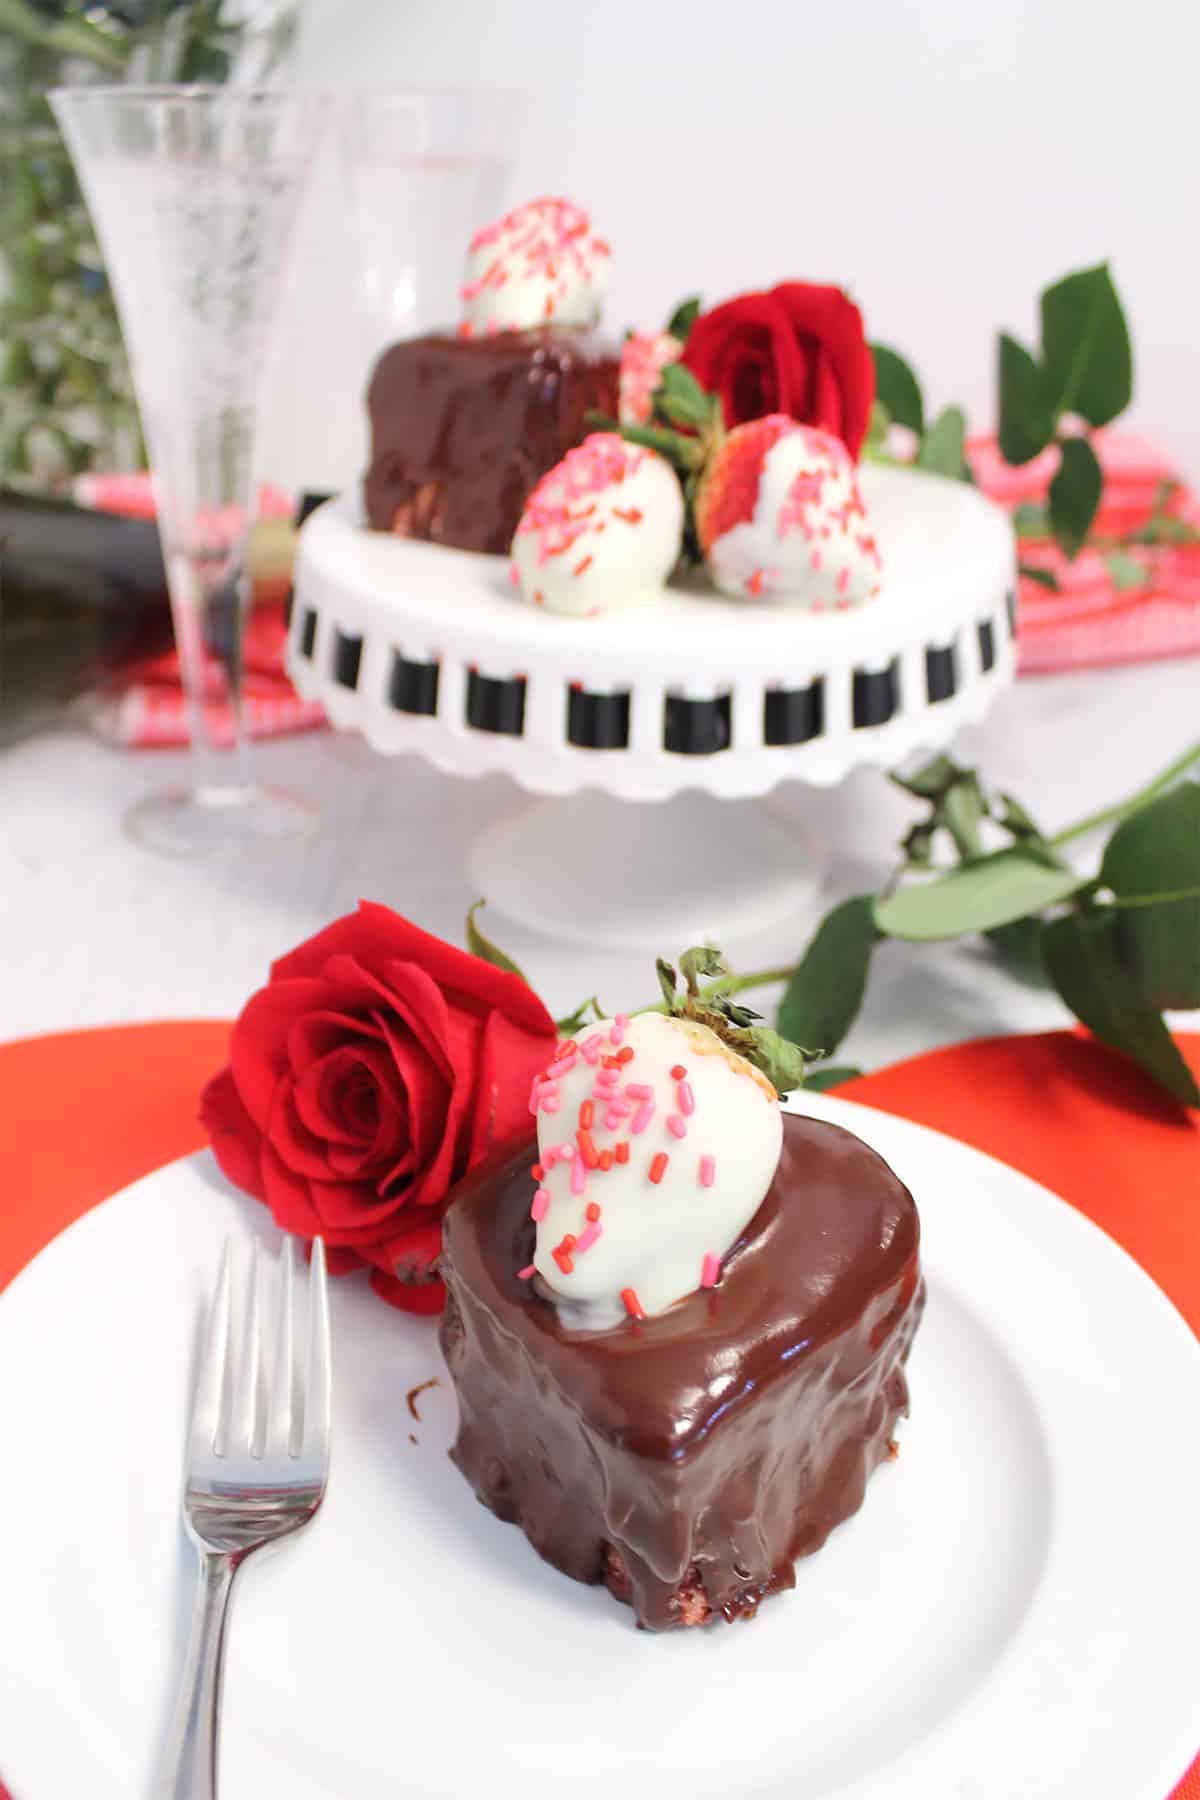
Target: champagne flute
x: 193, y: 192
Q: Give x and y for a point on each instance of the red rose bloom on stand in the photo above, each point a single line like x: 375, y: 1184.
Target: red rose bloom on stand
x: 376, y: 1067
x: 798, y: 349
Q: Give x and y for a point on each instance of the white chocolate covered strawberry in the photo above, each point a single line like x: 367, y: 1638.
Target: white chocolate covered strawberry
x: 644, y: 356
x: 780, y: 517
x: 542, y: 264
x: 656, y: 1146
x: 601, y: 530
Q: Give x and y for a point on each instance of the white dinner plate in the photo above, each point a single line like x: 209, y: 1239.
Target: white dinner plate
x: 1013, y: 1612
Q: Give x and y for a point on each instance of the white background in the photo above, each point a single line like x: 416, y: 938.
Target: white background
x: 944, y: 159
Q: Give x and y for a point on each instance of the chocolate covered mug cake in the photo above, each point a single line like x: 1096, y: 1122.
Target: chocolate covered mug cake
x: 677, y: 1323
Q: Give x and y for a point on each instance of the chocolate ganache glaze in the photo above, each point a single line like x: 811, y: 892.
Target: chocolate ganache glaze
x: 689, y: 1458
x: 462, y: 429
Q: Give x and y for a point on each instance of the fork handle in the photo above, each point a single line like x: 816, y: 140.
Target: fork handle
x: 190, y: 1762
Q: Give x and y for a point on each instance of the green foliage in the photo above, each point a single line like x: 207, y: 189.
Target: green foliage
x: 1075, y: 495
x: 1080, y: 952
x: 480, y: 946
x: 827, y: 986
x: 898, y: 389
x: 1026, y: 422
x: 683, y: 318
x: 66, y: 396
x: 976, y: 897
x: 1116, y: 965
x: 830, y: 1075
x: 1154, y: 854
x: 1087, y: 359
x: 1082, y: 370
x: 942, y: 450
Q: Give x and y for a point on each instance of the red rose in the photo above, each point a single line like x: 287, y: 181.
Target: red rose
x: 798, y: 350
x: 375, y: 1068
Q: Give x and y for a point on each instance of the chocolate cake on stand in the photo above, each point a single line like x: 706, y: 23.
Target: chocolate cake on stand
x: 581, y: 666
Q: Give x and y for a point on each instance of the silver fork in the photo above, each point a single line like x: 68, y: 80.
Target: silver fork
x: 257, y: 1462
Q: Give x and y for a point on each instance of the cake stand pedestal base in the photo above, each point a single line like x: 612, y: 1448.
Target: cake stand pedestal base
x: 591, y: 869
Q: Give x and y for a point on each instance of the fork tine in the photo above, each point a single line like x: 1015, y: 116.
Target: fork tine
x: 244, y: 1432
x: 208, y: 1409
x: 318, y: 1392
x: 280, y: 1402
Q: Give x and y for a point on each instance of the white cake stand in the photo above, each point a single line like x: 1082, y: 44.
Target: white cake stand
x: 698, y: 702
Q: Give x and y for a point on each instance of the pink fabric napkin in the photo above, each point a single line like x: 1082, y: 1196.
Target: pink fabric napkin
x: 144, y: 707
x: 1090, y: 622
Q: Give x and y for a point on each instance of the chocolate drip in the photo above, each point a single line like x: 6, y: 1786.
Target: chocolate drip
x: 690, y: 1458
x: 463, y: 429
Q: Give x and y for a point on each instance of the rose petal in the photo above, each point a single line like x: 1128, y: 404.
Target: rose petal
x: 313, y: 1097
x: 375, y: 935
x: 289, y: 1197
x: 235, y: 1138
x: 826, y: 403
x: 340, y: 1261
x: 426, y: 1090
x: 258, y: 1049
x: 826, y: 317
x: 319, y: 1034
x: 405, y: 1269
x: 509, y: 1060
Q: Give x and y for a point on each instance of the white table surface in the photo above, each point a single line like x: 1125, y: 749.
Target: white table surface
x: 97, y: 931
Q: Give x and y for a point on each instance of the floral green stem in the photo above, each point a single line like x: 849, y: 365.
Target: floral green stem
x: 738, y: 984
x: 1121, y: 900
x: 1123, y: 808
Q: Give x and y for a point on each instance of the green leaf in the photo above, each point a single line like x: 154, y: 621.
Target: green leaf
x: 942, y: 448
x: 1043, y: 578
x: 977, y: 897
x: 684, y: 453
x: 1026, y: 418
x: 898, y: 388
x: 826, y: 989
x: 480, y: 946
x: 683, y: 318
x: 1126, y: 571
x: 680, y: 398
x: 668, y: 981
x: 700, y: 961
x: 962, y: 811
x: 830, y: 1075
x: 1030, y: 521
x: 931, y: 779
x: 1157, y: 851
x: 781, y: 1062
x: 1086, y: 356
x: 1018, y: 942
x: 879, y: 423
x: 78, y: 37
x: 1081, y: 956
x: 1012, y: 817
x: 1075, y: 495
x: 917, y: 844
x: 579, y: 1018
